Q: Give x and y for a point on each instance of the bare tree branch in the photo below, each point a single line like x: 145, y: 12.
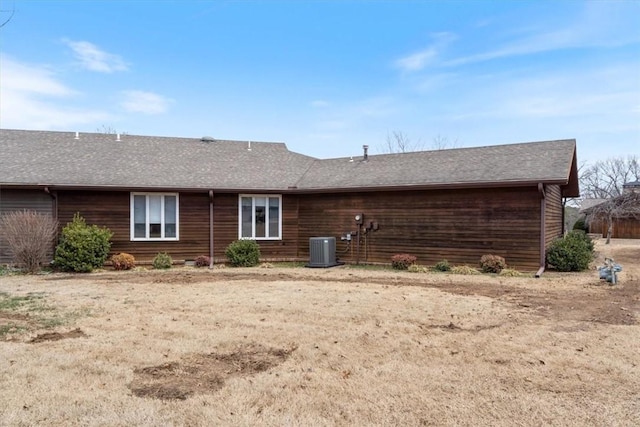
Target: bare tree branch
x: 605, y: 178
x: 440, y: 142
x: 12, y: 11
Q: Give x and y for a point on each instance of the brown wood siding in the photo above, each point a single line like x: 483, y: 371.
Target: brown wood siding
x: 112, y: 210
x: 553, y: 213
x: 457, y: 225
x: 627, y: 228
x: 18, y: 200
x: 225, y: 228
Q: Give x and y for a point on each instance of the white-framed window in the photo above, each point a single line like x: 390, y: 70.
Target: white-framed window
x: 154, y: 216
x: 260, y: 217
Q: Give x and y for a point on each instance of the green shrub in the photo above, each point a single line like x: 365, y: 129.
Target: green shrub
x: 82, y: 247
x: 492, y: 263
x: 415, y: 268
x: 402, y: 261
x: 572, y: 252
x: 123, y: 261
x: 442, y: 266
x: 162, y: 261
x: 202, y: 261
x: 243, y: 253
x: 581, y: 224
x: 464, y: 269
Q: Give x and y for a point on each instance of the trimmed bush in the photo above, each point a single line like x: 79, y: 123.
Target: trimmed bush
x: 442, y: 266
x: 82, y: 247
x: 581, y: 224
x: 29, y: 236
x: 243, y: 253
x: 123, y: 261
x: 572, y: 252
x: 492, y: 263
x: 402, y: 261
x: 162, y: 261
x: 464, y: 269
x: 202, y: 261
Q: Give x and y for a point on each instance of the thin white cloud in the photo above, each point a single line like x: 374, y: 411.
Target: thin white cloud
x: 601, y: 24
x: 138, y: 101
x: 425, y: 57
x: 93, y: 58
x: 33, y: 98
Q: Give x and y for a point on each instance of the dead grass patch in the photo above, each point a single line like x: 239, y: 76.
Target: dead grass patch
x: 373, y: 347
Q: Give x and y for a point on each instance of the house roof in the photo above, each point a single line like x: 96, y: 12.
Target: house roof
x: 587, y: 204
x: 547, y: 162
x: 99, y: 160
x: 39, y: 158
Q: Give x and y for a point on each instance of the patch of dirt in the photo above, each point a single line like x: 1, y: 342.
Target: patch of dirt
x: 57, y: 336
x: 13, y: 316
x: 452, y: 327
x: 204, y: 373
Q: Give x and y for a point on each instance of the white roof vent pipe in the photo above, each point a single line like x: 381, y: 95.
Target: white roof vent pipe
x: 249, y: 146
x: 77, y: 135
x: 118, y: 137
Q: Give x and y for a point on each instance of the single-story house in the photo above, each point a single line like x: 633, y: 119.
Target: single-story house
x: 194, y: 196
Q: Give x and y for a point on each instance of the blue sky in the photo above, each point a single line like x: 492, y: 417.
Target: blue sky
x: 327, y: 77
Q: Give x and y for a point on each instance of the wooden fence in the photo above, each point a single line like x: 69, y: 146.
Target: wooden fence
x: 622, y: 228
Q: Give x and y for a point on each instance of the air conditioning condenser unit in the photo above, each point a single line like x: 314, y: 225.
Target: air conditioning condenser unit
x: 322, y: 252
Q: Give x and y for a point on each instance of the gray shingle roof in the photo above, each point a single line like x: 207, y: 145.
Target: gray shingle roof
x: 98, y: 160
x: 548, y: 162
x: 57, y: 158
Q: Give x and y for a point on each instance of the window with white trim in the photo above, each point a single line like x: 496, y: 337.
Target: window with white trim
x: 154, y: 216
x: 260, y: 217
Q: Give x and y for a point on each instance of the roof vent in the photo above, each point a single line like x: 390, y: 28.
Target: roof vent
x: 77, y: 135
x: 366, y: 153
x: 207, y: 139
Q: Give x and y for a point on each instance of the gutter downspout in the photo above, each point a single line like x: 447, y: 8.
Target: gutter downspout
x: 54, y: 214
x: 54, y: 202
x: 542, y: 229
x: 210, y: 228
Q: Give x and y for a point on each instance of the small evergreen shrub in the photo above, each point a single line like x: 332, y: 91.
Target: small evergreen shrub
x: 492, y: 263
x: 464, y: 269
x: 162, y: 261
x: 415, y: 268
x: 510, y: 272
x: 581, y: 224
x: 202, y: 261
x: 123, y: 261
x: 402, y: 261
x: 442, y: 266
x: 243, y: 253
x: 82, y: 247
x: 572, y: 252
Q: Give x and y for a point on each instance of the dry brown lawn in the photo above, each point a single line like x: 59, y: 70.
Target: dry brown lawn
x: 340, y: 346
